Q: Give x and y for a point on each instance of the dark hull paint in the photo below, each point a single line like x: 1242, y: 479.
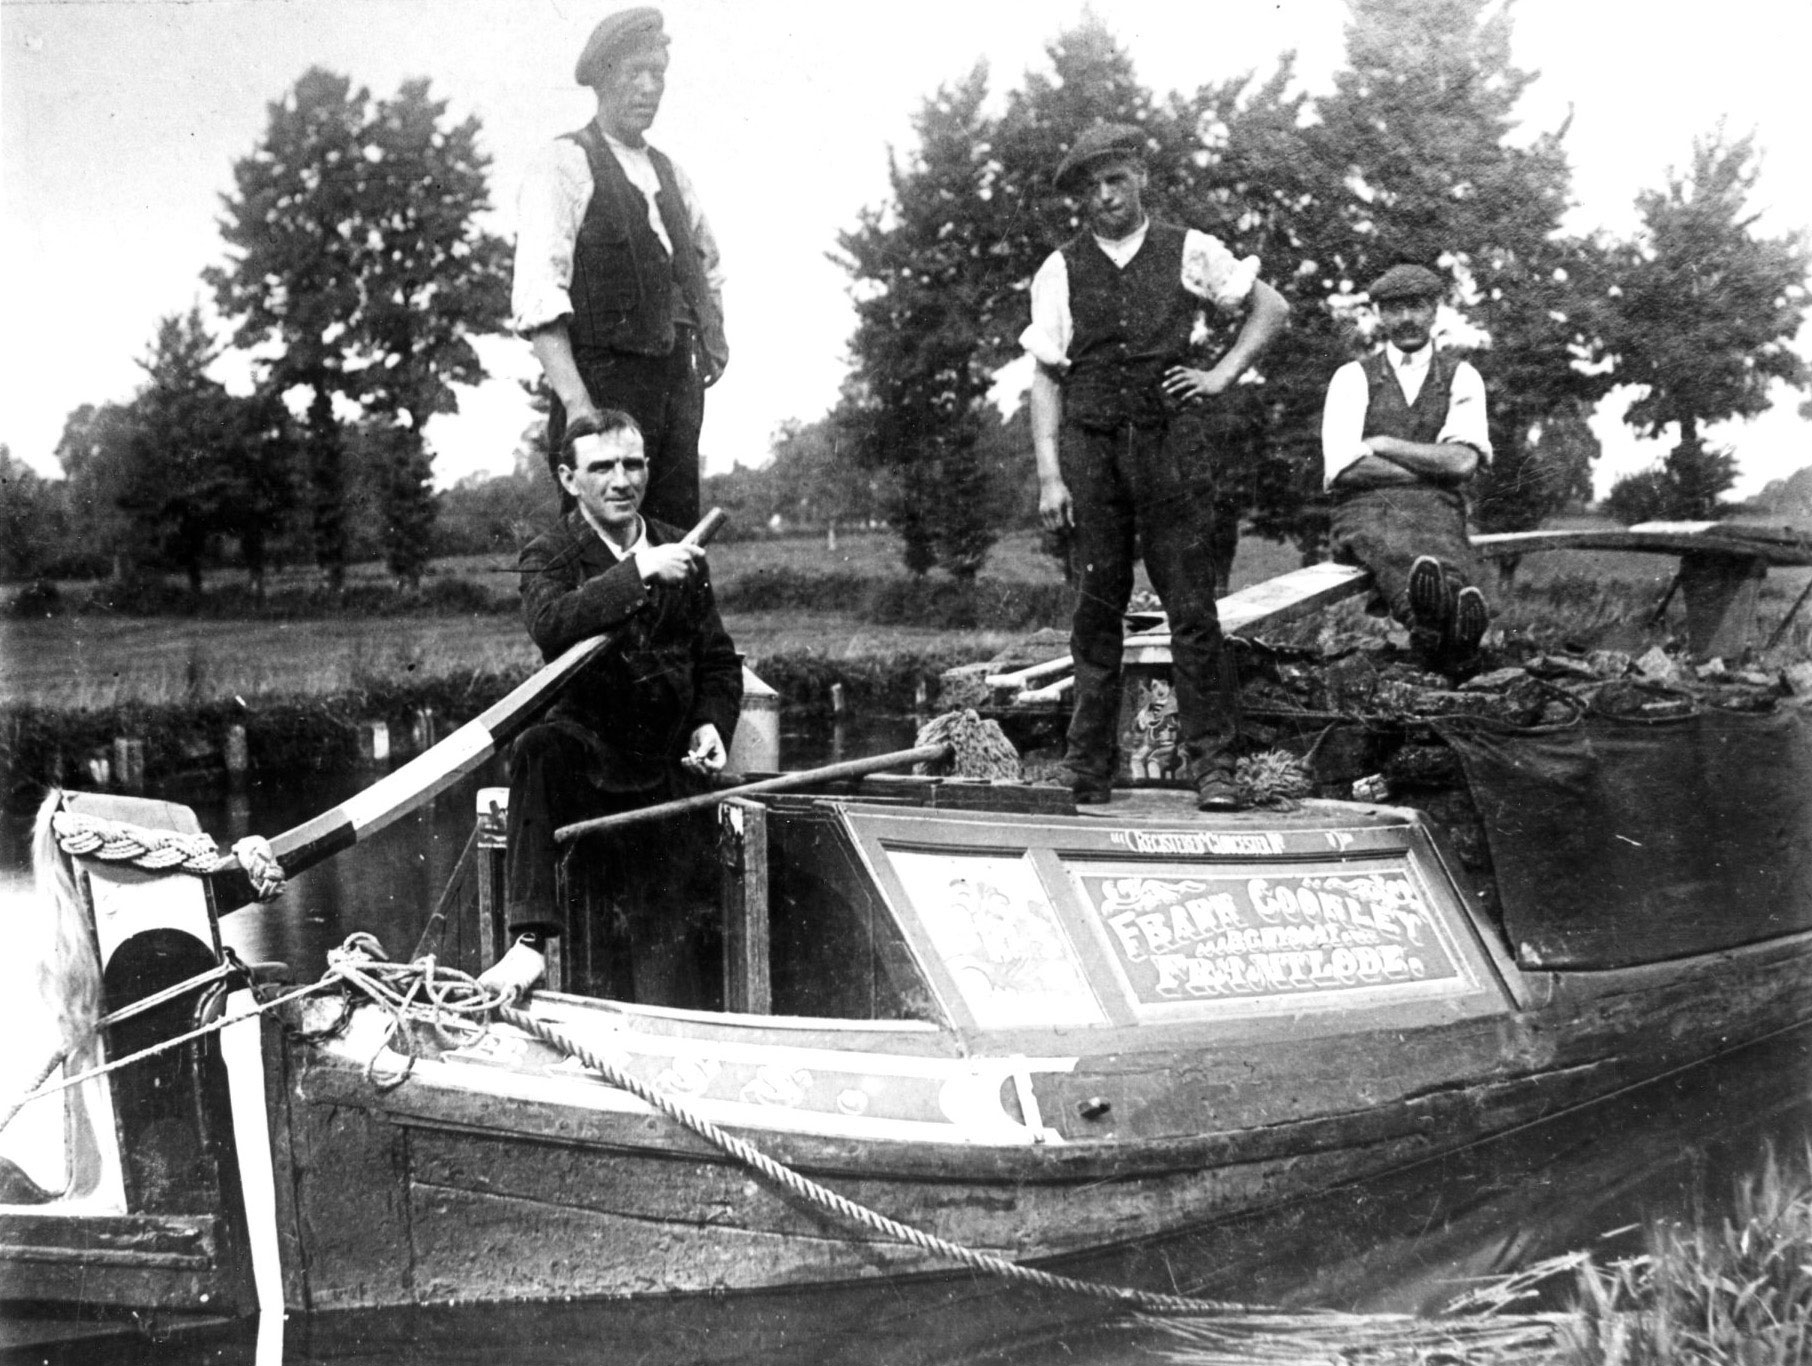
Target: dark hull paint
x: 422, y: 1195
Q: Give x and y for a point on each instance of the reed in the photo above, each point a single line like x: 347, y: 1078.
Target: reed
x: 1735, y: 1289
x: 1729, y: 1290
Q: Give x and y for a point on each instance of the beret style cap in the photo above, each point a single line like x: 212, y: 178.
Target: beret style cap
x: 1407, y: 282
x: 626, y: 31
x: 1096, y: 143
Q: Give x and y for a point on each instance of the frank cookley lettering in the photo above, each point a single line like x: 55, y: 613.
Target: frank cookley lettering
x: 1237, y: 935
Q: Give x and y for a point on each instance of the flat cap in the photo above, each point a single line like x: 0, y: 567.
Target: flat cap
x: 617, y: 35
x: 1098, y: 142
x: 1407, y: 282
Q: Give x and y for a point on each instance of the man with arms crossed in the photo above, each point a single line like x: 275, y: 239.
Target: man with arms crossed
x: 1402, y: 434
x: 1120, y: 447
x: 617, y: 283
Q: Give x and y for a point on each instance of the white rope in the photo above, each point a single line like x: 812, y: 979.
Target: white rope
x: 85, y: 836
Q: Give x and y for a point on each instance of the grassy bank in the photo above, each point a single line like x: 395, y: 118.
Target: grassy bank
x: 805, y: 616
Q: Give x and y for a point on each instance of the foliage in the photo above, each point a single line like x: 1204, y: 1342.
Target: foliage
x: 196, y: 463
x: 494, y: 514
x: 1707, y: 314
x: 1738, y: 1291
x: 1418, y: 147
x: 923, y: 302
x: 1415, y: 155
x: 355, y: 256
x: 1685, y: 487
x: 92, y: 453
x: 30, y: 518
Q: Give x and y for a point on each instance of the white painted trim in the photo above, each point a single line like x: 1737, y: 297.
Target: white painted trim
x: 242, y: 1049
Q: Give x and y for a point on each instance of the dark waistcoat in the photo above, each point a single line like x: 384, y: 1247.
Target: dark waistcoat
x: 1386, y: 414
x: 1127, y: 327
x: 627, y: 292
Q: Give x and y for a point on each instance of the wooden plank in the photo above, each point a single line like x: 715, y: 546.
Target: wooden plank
x: 747, y: 986
x: 1669, y: 538
x: 1277, y: 600
x: 1291, y: 595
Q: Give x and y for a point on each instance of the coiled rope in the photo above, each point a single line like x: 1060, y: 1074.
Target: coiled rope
x: 157, y: 851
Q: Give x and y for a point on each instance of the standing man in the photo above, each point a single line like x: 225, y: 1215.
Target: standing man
x: 1118, y: 437
x: 1402, y: 433
x: 649, y: 718
x: 617, y: 283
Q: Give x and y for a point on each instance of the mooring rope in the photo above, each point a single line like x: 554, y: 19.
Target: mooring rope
x: 455, y: 1003
x: 782, y: 1175
x: 156, y: 851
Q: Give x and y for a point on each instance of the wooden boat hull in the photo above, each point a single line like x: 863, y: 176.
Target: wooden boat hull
x: 1042, y: 1036
x: 439, y: 1191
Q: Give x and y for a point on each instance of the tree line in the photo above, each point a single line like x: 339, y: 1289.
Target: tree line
x: 1415, y: 155
x: 356, y: 274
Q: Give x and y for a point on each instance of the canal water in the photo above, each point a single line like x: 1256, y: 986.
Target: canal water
x: 1409, y: 1243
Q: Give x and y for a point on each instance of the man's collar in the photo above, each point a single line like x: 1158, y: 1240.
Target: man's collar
x: 1409, y: 360
x: 616, y: 144
x: 1132, y: 239
x: 635, y: 542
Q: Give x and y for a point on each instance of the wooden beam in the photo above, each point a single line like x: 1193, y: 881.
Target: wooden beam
x: 1771, y: 545
x: 748, y: 986
x: 1284, y: 598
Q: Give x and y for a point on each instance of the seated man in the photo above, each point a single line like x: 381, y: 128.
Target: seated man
x: 647, y: 718
x: 1401, y: 434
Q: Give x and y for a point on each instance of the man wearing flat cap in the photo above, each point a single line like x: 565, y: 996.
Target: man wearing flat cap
x: 1118, y: 432
x: 1402, y: 434
x: 617, y: 283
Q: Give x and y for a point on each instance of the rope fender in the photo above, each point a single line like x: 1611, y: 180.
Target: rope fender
x: 157, y: 851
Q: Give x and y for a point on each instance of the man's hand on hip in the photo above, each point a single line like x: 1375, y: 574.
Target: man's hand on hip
x: 1193, y: 386
x: 671, y: 564
x: 707, y: 754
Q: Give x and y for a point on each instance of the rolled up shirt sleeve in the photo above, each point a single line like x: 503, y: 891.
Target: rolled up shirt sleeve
x: 1466, y: 423
x: 549, y: 209
x: 1047, y: 340
x: 1343, y: 422
x: 1213, y: 273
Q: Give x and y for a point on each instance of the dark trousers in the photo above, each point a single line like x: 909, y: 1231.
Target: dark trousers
x: 666, y: 396
x: 1155, y: 481
x: 647, y: 892
x: 1386, y: 530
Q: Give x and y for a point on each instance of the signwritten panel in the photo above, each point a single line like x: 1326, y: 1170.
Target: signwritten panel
x: 1251, y: 937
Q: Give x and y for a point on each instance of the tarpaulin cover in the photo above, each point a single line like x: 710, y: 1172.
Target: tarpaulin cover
x: 1616, y: 843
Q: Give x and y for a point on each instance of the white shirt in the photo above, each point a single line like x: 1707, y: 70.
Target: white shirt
x: 641, y: 535
x: 1349, y: 394
x: 1210, y: 272
x: 552, y: 205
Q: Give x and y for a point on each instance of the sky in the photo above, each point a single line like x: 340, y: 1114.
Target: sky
x: 120, y: 121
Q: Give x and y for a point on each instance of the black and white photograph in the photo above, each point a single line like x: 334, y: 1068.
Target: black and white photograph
x: 773, y: 683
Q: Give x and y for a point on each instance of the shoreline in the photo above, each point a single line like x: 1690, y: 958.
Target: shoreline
x: 187, y: 738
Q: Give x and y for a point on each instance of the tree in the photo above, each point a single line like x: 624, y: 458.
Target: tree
x: 1420, y: 139
x: 431, y: 282
x: 93, y: 453
x: 28, y: 518
x: 924, y: 302
x: 354, y: 254
x: 182, y: 443
x: 1706, y: 315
